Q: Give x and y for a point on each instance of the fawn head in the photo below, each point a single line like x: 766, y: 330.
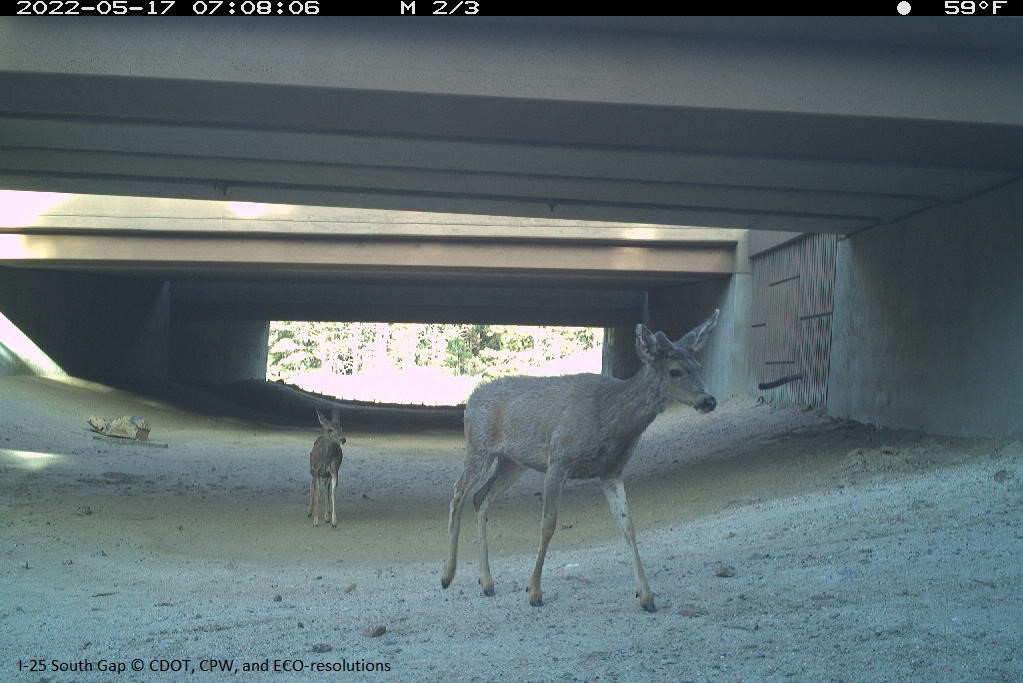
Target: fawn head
x: 332, y: 427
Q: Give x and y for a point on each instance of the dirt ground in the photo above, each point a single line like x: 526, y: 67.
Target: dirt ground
x: 782, y: 545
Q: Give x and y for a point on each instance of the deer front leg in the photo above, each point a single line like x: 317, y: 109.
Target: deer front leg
x: 333, y: 501
x: 614, y: 491
x: 552, y: 487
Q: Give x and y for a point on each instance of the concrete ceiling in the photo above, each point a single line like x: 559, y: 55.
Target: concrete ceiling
x: 802, y: 124
x: 767, y: 124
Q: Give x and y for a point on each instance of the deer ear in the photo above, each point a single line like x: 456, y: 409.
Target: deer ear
x: 323, y: 421
x: 646, y: 343
x: 698, y: 336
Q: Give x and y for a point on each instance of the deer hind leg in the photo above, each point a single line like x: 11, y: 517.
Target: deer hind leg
x: 614, y: 491
x: 553, y: 484
x: 505, y: 473
x: 470, y: 475
x: 314, y: 497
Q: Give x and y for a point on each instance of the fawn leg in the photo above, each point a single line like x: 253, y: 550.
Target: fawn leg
x: 333, y: 500
x: 314, y: 499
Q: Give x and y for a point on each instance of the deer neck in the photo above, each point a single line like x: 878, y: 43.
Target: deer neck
x: 640, y: 399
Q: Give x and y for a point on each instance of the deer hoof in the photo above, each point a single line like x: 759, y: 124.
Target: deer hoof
x: 536, y: 603
x: 489, y: 592
x: 649, y: 607
x: 333, y: 525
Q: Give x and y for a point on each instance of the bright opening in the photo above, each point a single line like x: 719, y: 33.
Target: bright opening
x: 421, y: 364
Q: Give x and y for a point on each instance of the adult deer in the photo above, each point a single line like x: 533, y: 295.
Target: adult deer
x: 571, y: 427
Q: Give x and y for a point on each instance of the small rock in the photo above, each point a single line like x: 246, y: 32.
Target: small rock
x: 350, y: 588
x: 83, y: 510
x: 375, y: 631
x: 1003, y: 476
x: 725, y: 572
x: 278, y: 598
x: 692, y: 611
x: 321, y: 647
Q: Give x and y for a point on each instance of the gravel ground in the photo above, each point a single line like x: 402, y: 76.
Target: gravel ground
x: 782, y: 545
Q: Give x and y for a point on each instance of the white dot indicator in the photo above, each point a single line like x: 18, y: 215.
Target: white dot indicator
x: 904, y: 8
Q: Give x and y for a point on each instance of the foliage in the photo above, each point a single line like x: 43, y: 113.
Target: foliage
x: 298, y: 347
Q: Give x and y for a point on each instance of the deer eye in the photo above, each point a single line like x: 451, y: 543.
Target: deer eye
x: 675, y: 372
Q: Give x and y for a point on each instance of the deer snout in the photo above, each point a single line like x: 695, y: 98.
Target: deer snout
x: 708, y: 404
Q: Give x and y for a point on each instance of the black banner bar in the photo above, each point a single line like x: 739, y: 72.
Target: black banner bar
x: 896, y: 9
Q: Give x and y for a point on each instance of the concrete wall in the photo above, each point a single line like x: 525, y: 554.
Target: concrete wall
x: 108, y: 328
x: 96, y: 327
x: 928, y: 322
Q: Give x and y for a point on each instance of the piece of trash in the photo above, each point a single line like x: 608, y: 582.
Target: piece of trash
x: 123, y: 427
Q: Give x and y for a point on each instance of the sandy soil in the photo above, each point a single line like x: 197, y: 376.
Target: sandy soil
x: 782, y: 545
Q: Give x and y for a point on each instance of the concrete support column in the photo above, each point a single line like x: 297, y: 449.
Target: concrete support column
x: 619, y: 351
x: 218, y: 351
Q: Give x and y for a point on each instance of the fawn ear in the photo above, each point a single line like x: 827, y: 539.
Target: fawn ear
x: 698, y: 336
x: 324, y: 422
x: 646, y: 343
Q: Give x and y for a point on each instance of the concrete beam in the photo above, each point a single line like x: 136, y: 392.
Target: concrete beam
x: 41, y: 212
x: 422, y: 303
x: 306, y: 258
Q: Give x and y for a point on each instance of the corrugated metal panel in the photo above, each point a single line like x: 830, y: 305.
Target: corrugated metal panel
x: 793, y: 293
